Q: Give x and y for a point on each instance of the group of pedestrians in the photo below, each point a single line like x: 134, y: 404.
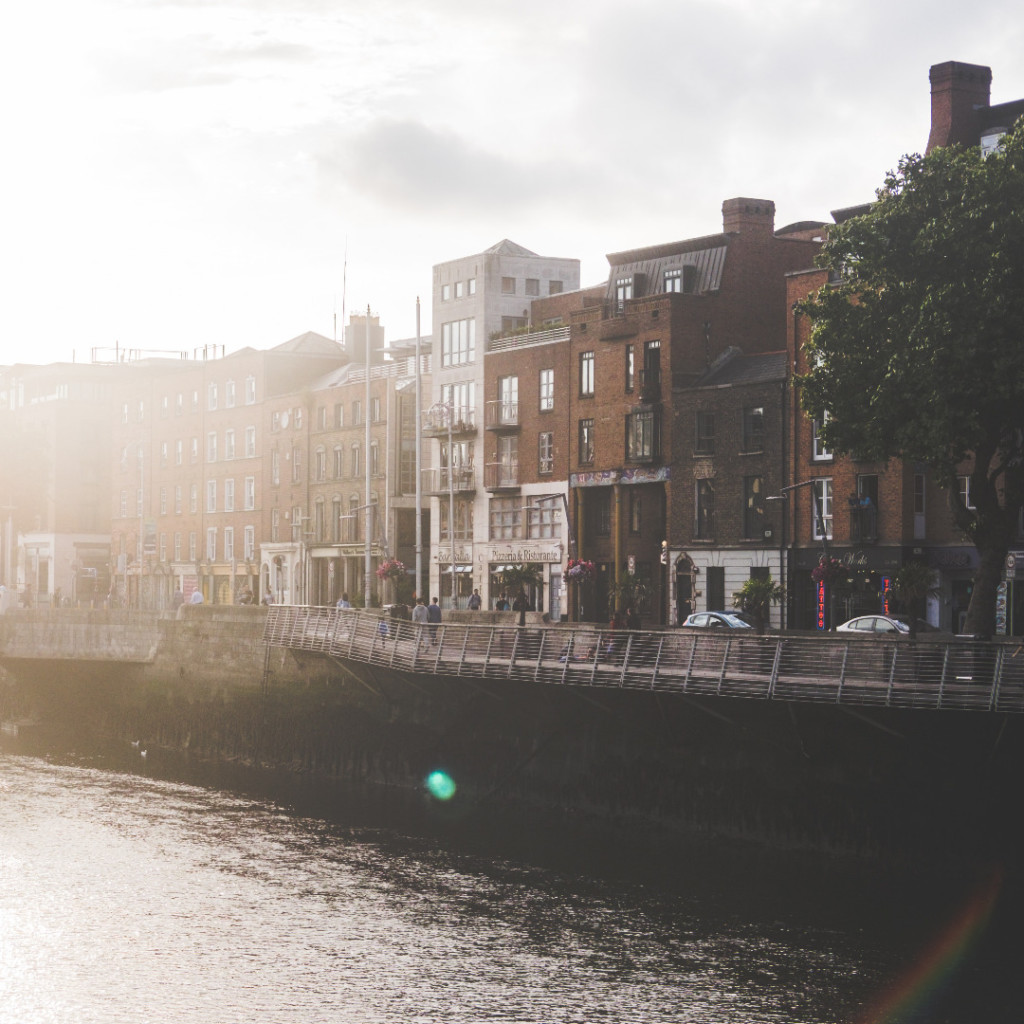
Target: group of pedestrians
x: 429, y: 616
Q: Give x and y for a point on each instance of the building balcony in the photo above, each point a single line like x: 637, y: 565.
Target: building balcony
x: 501, y: 415
x: 617, y: 323
x: 461, y: 479
x: 436, y: 420
x: 501, y: 476
x: 863, y: 524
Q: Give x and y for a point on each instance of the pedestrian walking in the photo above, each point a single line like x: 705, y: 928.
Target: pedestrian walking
x: 433, y: 617
x: 421, y: 617
x: 475, y: 601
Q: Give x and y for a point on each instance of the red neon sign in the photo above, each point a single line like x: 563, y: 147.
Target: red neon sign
x: 821, y: 604
x: 886, y: 584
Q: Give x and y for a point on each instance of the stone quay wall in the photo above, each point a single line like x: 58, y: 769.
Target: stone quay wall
x: 924, y: 787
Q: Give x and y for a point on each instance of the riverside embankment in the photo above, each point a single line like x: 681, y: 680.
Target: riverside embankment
x: 884, y: 783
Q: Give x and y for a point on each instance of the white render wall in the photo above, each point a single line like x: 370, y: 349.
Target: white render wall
x: 486, y: 307
x: 737, y: 566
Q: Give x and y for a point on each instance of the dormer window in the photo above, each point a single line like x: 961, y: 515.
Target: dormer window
x: 681, y: 279
x: 623, y: 291
x: 991, y: 140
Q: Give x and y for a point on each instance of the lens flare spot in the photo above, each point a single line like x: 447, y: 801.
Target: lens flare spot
x: 440, y: 785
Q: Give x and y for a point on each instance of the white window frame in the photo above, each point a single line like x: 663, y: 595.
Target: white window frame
x: 819, y: 453
x: 822, y: 490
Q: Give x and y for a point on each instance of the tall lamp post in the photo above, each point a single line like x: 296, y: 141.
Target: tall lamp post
x: 447, y: 409
x: 542, y: 501
x: 419, y: 459
x: 818, y: 512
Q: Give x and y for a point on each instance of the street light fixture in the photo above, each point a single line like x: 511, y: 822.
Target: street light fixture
x: 819, y: 512
x: 543, y: 499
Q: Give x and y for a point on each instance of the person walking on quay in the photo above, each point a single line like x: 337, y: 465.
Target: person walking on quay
x: 433, y: 617
x: 522, y: 605
x: 475, y: 601
x: 421, y: 617
x: 343, y: 601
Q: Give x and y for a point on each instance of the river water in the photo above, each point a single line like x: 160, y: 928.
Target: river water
x: 130, y: 892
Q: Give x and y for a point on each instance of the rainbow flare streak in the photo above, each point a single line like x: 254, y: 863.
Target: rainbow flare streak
x: 937, y: 962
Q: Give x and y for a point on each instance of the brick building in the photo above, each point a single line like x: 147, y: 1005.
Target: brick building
x: 190, y: 464
x: 477, y: 299
x: 879, y: 516
x: 669, y: 312
x: 731, y: 429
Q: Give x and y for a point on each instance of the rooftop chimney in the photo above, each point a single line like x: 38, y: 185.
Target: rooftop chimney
x: 748, y: 215
x: 958, y: 91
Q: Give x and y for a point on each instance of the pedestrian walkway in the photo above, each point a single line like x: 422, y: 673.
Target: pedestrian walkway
x: 964, y: 675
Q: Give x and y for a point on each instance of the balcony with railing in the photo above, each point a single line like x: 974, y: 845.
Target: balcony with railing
x: 528, y: 336
x: 462, y: 480
x: 501, y: 476
x: 501, y: 415
x: 436, y: 419
x: 863, y: 522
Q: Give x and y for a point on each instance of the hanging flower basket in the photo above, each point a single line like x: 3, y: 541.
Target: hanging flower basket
x: 580, y: 571
x: 828, y: 570
x: 390, y: 569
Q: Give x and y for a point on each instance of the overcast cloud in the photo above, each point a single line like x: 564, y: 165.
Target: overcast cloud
x: 185, y: 173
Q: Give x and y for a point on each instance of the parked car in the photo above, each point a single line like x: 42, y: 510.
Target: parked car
x: 716, y: 620
x: 876, y: 624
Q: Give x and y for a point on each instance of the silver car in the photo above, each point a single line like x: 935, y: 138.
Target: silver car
x: 875, y: 624
x: 716, y: 620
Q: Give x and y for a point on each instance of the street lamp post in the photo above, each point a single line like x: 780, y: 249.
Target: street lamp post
x: 818, y: 511
x: 541, y: 501
x: 419, y: 460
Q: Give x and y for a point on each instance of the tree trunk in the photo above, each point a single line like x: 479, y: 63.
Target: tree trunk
x: 981, y: 613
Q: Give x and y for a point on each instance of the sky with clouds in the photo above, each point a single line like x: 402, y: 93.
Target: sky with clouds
x: 183, y: 173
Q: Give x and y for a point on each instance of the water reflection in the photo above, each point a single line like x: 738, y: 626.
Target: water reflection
x: 124, y: 897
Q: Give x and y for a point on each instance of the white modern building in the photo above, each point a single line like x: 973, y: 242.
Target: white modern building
x: 475, y: 298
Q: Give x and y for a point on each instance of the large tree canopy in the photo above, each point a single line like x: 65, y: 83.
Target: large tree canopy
x: 917, y: 348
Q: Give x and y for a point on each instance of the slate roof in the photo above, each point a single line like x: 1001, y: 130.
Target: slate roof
x: 310, y: 343
x: 507, y: 248
x: 733, y: 367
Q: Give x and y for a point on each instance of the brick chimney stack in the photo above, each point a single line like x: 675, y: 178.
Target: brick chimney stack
x: 958, y: 91
x: 748, y: 215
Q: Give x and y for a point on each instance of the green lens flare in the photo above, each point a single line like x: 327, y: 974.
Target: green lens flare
x: 440, y: 785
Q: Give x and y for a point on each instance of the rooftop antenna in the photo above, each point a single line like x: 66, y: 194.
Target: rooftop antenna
x: 344, y: 275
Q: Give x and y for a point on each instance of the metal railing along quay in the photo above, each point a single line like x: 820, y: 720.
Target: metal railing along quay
x: 932, y: 674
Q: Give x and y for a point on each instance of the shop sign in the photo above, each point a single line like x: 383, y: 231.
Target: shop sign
x: 821, y: 604
x: 509, y: 555
x: 444, y: 556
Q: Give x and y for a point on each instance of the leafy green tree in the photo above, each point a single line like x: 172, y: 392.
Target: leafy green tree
x: 514, y: 578
x: 917, y: 347
x: 756, y: 597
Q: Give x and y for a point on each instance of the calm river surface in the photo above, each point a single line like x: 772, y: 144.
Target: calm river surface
x: 130, y: 897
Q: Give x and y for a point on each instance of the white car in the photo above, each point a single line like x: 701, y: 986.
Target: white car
x: 716, y: 620
x: 874, y: 624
